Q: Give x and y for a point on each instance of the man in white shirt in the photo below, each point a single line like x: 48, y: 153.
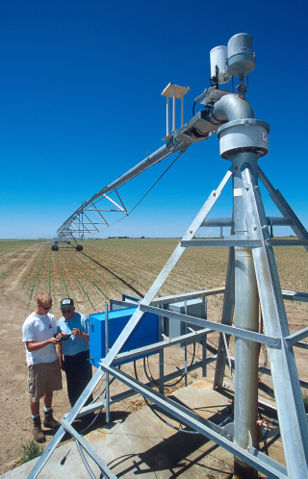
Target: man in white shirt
x: 44, y: 374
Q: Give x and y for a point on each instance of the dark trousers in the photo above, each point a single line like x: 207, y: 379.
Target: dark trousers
x: 78, y: 373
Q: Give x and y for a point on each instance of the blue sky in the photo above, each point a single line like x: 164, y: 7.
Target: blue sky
x: 80, y: 104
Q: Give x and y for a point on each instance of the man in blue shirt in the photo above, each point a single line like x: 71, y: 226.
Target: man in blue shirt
x: 74, y: 350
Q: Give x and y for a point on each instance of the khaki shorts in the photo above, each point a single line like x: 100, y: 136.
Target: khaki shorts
x: 44, y: 378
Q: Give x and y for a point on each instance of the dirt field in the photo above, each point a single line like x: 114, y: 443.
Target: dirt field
x: 105, y: 269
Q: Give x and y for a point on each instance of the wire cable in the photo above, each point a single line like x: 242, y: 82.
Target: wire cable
x: 179, y: 429
x: 151, y: 378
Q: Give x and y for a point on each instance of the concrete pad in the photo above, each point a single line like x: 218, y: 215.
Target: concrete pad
x: 146, y: 446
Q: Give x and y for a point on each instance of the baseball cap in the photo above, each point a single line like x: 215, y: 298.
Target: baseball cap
x: 66, y: 303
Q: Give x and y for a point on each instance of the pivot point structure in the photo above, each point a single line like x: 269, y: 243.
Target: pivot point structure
x: 251, y: 280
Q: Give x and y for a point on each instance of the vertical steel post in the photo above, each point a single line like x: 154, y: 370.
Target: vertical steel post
x: 161, y: 357
x: 107, y: 374
x: 167, y: 115
x: 185, y: 346
x: 185, y: 364
x: 246, y: 317
x: 182, y: 111
x: 161, y: 371
x: 173, y: 110
x: 227, y: 318
x: 203, y: 345
x: 204, y: 338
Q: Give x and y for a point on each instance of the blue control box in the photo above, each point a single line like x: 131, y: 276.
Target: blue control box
x: 146, y: 332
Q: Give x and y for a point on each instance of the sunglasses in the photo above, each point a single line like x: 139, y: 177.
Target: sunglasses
x: 66, y: 311
x: 45, y: 307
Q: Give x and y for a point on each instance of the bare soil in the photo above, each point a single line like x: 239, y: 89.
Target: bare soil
x: 105, y: 270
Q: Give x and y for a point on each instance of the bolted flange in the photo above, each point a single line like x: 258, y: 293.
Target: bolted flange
x: 245, y: 135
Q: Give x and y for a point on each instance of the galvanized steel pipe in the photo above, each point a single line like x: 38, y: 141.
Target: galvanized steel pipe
x: 246, y: 317
x: 232, y: 107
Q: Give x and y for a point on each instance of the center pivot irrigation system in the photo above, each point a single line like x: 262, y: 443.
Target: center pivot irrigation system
x: 251, y: 279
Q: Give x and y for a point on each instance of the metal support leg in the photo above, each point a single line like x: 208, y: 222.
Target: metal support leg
x: 246, y: 354
x: 102, y: 466
x: 246, y: 317
x: 161, y: 371
x: 161, y: 356
x: 107, y: 395
x: 227, y: 318
x: 203, y: 345
x: 288, y: 395
x: 284, y: 207
x: 185, y: 364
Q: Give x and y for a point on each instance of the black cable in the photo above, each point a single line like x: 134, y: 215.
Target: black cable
x: 170, y: 385
x: 155, y: 183
x: 149, y: 376
x: 179, y: 429
x: 88, y: 426
x: 193, y: 108
x: 151, y: 379
x: 156, y: 413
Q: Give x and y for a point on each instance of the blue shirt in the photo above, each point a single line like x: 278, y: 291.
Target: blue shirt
x: 75, y: 344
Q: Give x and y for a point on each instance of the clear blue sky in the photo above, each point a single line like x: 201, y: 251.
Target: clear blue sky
x: 80, y: 88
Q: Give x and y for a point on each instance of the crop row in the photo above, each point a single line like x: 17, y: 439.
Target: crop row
x: 108, y: 268
x: 138, y: 263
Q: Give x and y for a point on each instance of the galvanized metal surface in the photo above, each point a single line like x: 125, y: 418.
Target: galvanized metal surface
x: 292, y: 419
x: 224, y: 328
x: 226, y: 318
x: 284, y: 207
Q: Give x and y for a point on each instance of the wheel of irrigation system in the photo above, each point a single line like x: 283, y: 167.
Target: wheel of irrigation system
x: 55, y: 247
x: 79, y: 247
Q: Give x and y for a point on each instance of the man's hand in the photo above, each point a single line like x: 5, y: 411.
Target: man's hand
x: 77, y: 332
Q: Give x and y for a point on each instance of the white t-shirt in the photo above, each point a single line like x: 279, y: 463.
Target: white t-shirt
x: 39, y: 328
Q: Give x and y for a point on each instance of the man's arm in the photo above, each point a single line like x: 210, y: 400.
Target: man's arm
x: 60, y: 355
x: 35, y: 345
